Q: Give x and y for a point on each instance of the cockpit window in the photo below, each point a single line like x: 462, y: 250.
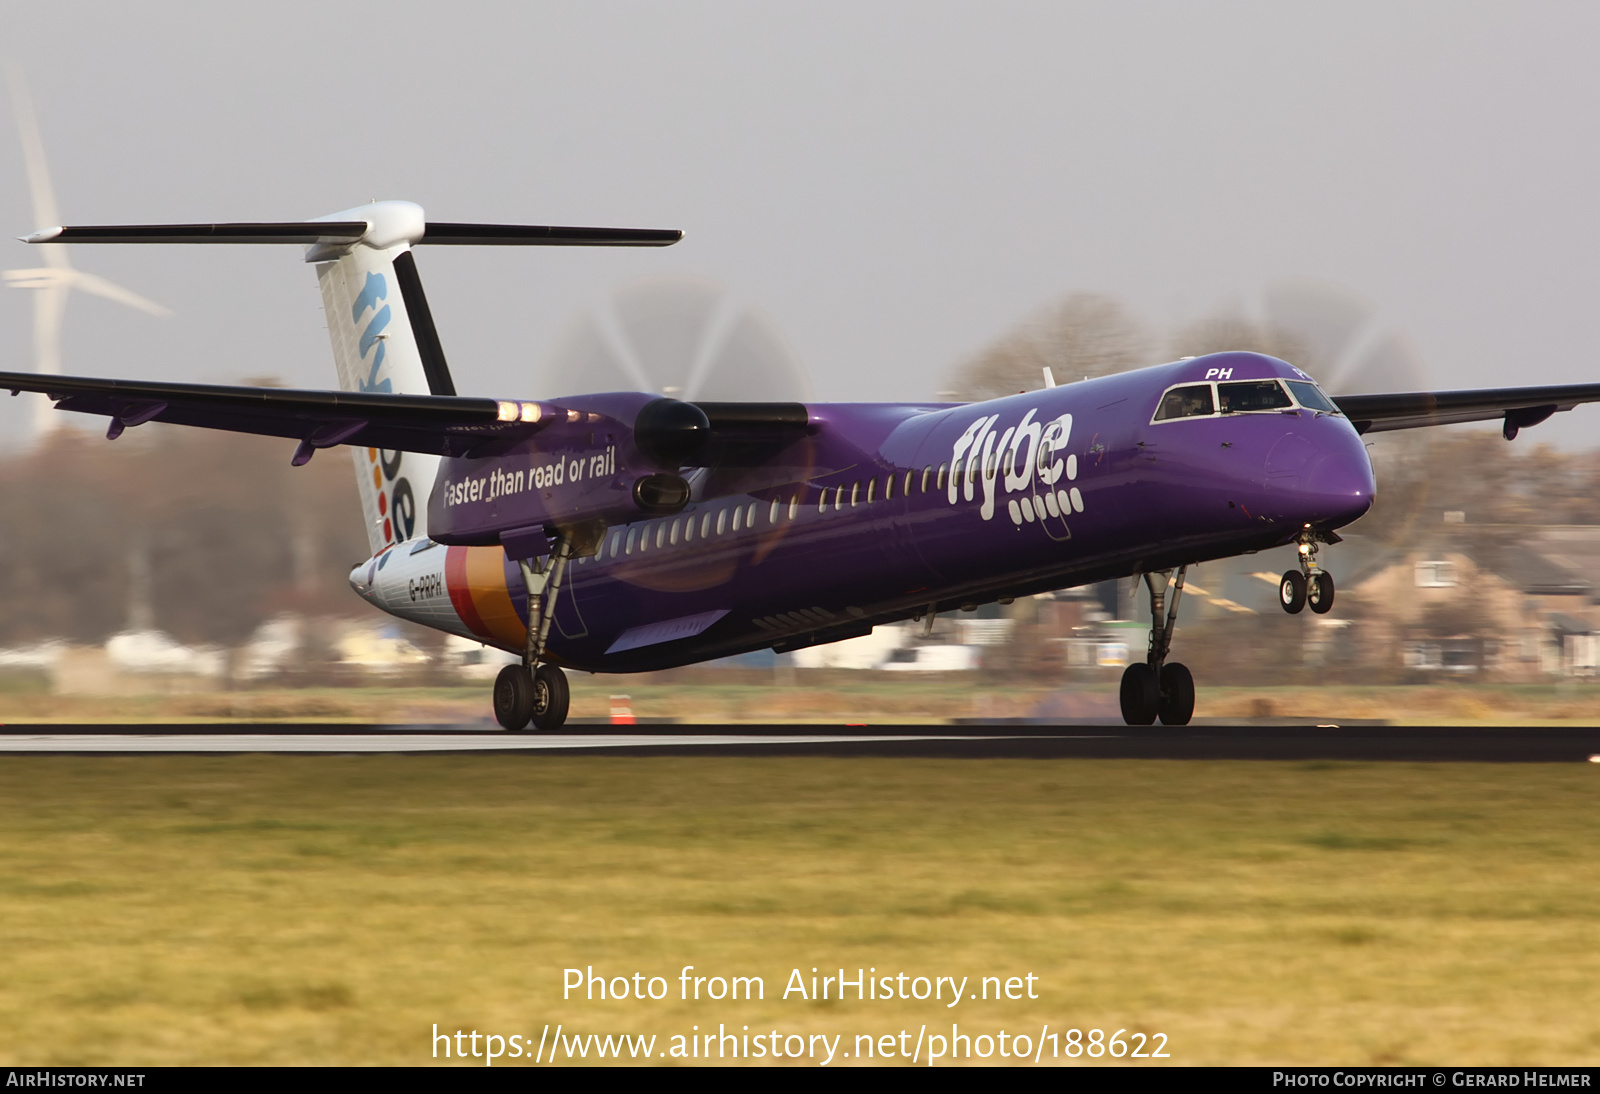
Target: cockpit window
x: 1185, y: 402
x: 1311, y: 396
x: 1253, y: 395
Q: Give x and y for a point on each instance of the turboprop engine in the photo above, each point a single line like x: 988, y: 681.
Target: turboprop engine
x: 611, y: 459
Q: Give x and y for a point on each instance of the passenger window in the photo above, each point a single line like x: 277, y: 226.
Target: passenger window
x: 772, y: 517
x: 688, y: 529
x: 1250, y: 395
x: 794, y: 506
x: 872, y: 484
x: 750, y: 517
x: 616, y: 543
x: 855, y: 494
x: 888, y: 487
x: 1186, y: 402
x: 722, y: 520
x: 738, y: 513
x: 925, y: 479
x: 705, y: 526
x: 822, y: 506
x: 628, y: 550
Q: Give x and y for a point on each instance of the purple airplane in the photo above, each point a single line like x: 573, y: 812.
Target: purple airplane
x: 626, y: 532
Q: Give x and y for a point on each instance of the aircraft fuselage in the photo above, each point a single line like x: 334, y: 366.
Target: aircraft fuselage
x: 882, y: 511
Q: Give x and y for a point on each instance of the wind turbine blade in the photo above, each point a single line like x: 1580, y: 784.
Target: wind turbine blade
x: 99, y: 286
x: 44, y: 195
x: 48, y: 307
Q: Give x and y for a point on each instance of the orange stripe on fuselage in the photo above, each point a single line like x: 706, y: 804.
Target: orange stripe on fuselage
x: 486, y: 584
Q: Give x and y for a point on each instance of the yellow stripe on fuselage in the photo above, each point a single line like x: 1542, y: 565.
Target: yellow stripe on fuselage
x: 486, y: 583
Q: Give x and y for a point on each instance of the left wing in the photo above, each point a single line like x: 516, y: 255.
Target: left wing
x: 444, y: 425
x: 1518, y: 406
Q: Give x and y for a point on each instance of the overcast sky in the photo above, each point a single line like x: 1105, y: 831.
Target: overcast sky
x: 895, y: 184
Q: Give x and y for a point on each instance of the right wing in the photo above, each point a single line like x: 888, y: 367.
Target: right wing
x: 1518, y: 406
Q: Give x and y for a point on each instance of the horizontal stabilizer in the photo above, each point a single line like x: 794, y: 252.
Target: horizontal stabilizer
x: 346, y: 232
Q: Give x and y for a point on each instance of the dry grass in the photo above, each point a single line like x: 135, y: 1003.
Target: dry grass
x: 252, y: 909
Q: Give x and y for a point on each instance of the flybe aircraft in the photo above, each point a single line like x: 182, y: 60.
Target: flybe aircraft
x: 627, y: 532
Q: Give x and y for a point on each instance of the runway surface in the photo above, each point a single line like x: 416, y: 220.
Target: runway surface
x: 1537, y: 744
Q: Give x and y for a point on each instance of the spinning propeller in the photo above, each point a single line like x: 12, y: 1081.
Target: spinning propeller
x: 676, y: 336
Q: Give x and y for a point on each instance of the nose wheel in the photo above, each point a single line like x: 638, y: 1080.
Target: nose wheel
x: 1154, y: 688
x: 1310, y: 585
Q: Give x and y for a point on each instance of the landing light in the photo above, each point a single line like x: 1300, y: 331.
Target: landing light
x: 1305, y: 548
x: 508, y: 412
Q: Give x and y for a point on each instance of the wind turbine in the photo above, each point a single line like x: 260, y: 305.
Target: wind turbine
x: 56, y: 278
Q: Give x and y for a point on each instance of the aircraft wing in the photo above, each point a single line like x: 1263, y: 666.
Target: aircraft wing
x: 444, y: 425
x: 1518, y: 406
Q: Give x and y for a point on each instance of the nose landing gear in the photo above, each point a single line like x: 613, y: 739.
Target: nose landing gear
x: 1310, y: 584
x: 1155, y: 689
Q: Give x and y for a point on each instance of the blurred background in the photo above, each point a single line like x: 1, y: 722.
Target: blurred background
x: 899, y: 202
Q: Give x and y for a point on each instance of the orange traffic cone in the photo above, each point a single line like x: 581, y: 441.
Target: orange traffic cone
x: 621, y: 711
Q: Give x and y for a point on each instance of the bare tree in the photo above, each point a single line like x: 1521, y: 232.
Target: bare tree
x: 1082, y: 336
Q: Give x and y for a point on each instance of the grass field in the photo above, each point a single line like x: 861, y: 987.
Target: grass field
x: 270, y: 909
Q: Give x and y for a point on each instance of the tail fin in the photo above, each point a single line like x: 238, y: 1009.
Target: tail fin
x: 378, y: 318
x: 384, y: 341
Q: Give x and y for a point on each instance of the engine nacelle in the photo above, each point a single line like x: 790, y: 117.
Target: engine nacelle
x: 611, y: 459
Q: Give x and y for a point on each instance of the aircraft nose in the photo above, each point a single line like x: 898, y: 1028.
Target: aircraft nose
x: 1338, y: 488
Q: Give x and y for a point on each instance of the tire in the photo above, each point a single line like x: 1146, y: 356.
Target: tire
x: 513, y: 697
x: 1141, y: 697
x: 1292, y: 591
x: 1319, y: 594
x: 1177, y: 695
x: 550, y: 698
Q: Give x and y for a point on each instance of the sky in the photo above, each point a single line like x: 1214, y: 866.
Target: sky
x: 894, y: 184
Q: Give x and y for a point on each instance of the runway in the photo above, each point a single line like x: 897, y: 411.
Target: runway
x: 1535, y: 744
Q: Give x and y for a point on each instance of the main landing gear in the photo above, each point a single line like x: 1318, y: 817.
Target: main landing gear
x: 535, y: 691
x: 1155, y: 689
x: 1310, y: 585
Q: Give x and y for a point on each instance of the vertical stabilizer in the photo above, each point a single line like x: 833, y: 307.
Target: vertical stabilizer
x: 384, y: 341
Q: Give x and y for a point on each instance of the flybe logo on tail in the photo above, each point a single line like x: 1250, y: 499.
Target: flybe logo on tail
x: 373, y: 293
x: 397, y: 503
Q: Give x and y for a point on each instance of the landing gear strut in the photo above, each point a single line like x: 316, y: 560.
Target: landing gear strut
x: 537, y: 691
x: 1155, y: 689
x: 1310, y: 584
